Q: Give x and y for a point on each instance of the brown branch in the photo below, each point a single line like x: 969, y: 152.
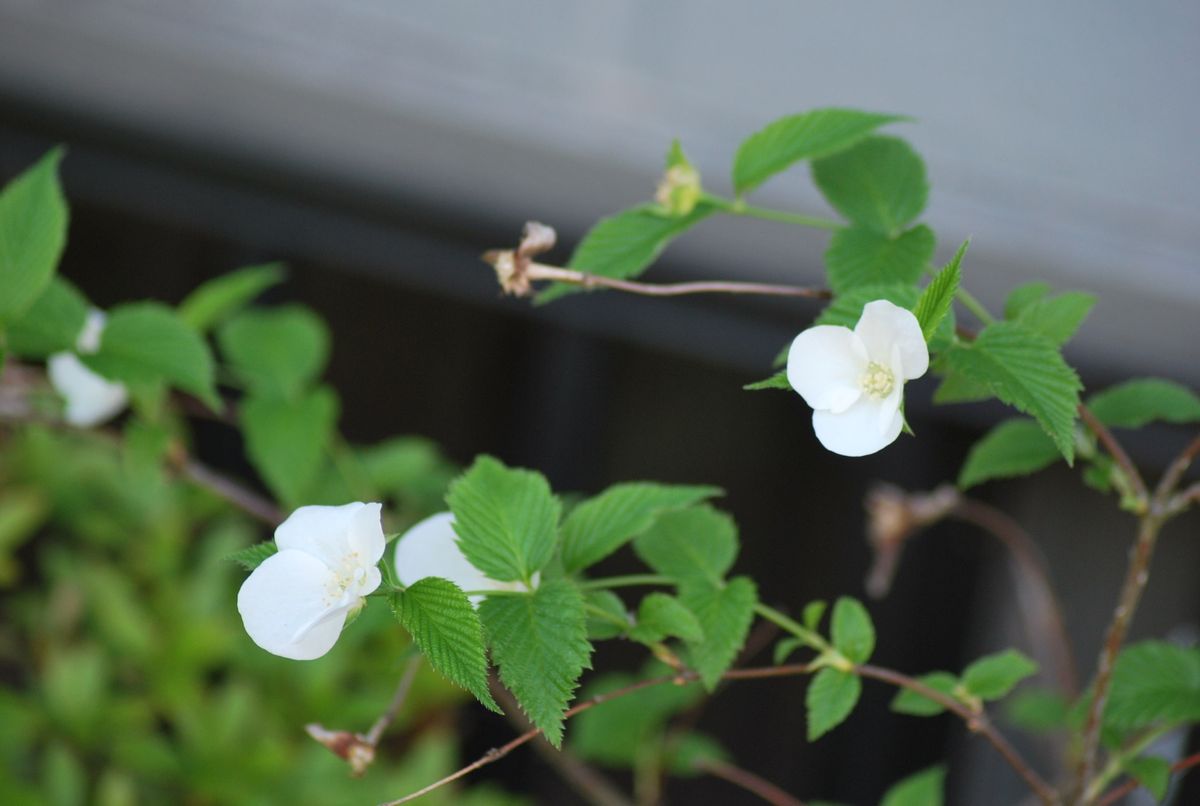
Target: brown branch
x: 588, y: 782
x: 1178, y: 467
x: 1048, y: 617
x: 1115, y: 450
x: 1124, y: 789
x: 748, y: 781
x: 224, y: 487
x: 373, y: 735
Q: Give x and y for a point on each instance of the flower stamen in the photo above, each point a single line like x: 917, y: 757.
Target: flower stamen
x: 878, y: 381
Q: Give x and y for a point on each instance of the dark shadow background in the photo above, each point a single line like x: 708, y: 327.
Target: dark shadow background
x: 424, y: 344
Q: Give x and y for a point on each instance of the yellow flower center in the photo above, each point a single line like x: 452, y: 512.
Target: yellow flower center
x: 878, y: 381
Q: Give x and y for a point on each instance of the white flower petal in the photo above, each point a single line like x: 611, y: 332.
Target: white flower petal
x: 430, y: 549
x: 93, y: 327
x: 91, y: 399
x: 288, y: 606
x: 334, y: 534
x: 884, y: 324
x: 890, y: 405
x: 825, y: 365
x: 857, y: 431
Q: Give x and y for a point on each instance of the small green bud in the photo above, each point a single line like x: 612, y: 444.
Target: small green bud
x: 679, y: 189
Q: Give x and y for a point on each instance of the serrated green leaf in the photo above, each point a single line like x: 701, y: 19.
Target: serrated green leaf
x: 830, y: 698
x: 51, y: 324
x: 146, y: 343
x: 724, y: 614
x: 252, y: 557
x: 994, y: 676
x: 1023, y: 296
x: 1135, y: 403
x: 777, y: 381
x: 625, y: 244
x: 851, y: 630
x: 1152, y: 772
x: 1154, y: 681
x: 938, y: 297
x: 1015, y: 447
x: 275, y: 351
x: 615, y: 618
x: 910, y: 702
x: 440, y: 618
x: 956, y: 388
x: 625, y: 728
x: 859, y: 256
x: 846, y: 309
x: 506, y: 519
x: 1026, y: 371
x: 925, y: 788
x: 1057, y: 318
x: 878, y: 184
x: 661, y: 615
x: 218, y: 299
x: 1038, y: 710
x: 696, y: 544
x: 286, y: 441
x: 601, y: 525
x: 540, y: 644
x: 813, y: 611
x: 808, y: 135
x: 33, y: 232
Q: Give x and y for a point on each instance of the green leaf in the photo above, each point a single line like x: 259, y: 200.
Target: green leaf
x: 910, y: 702
x: 1022, y: 297
x: 540, y: 643
x: 696, y: 544
x: 777, y: 381
x: 851, y: 630
x: 724, y: 614
x: 687, y: 754
x: 52, y: 324
x: 287, y: 440
x: 878, y: 184
x: 1152, y: 772
x: 506, y: 519
x: 625, y: 244
x: 218, y: 299
x: 1135, y: 403
x: 252, y: 557
x: 956, y: 388
x: 1026, y: 371
x: 661, y: 615
x: 813, y: 611
x: 809, y: 135
x: 33, y: 232
x: 601, y: 525
x: 1056, y: 318
x: 860, y: 256
x: 616, y: 619
x: 275, y: 351
x: 1038, y: 710
x: 925, y: 788
x: 938, y: 297
x: 1016, y: 447
x: 846, y: 309
x: 994, y: 676
x: 440, y: 618
x: 786, y: 647
x: 1154, y: 681
x: 625, y: 728
x: 146, y: 343
x: 830, y: 698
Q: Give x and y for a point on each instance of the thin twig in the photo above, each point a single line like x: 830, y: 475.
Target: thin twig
x: 373, y: 735
x: 1115, y: 450
x: 748, y: 781
x: 1179, y: 466
x: 587, y: 781
x: 237, y: 494
x: 1048, y: 619
x: 1124, y: 789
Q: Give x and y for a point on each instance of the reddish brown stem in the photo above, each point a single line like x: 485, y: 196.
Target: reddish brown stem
x: 244, y: 499
x: 1124, y: 789
x: 539, y: 271
x: 1115, y: 450
x: 749, y: 782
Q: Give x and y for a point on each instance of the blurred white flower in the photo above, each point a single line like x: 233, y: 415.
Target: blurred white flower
x: 91, y: 399
x: 854, y: 379
x: 295, y: 603
x: 430, y: 549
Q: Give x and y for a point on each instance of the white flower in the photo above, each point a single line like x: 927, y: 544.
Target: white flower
x: 295, y: 603
x: 854, y: 379
x: 430, y: 549
x: 91, y: 399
